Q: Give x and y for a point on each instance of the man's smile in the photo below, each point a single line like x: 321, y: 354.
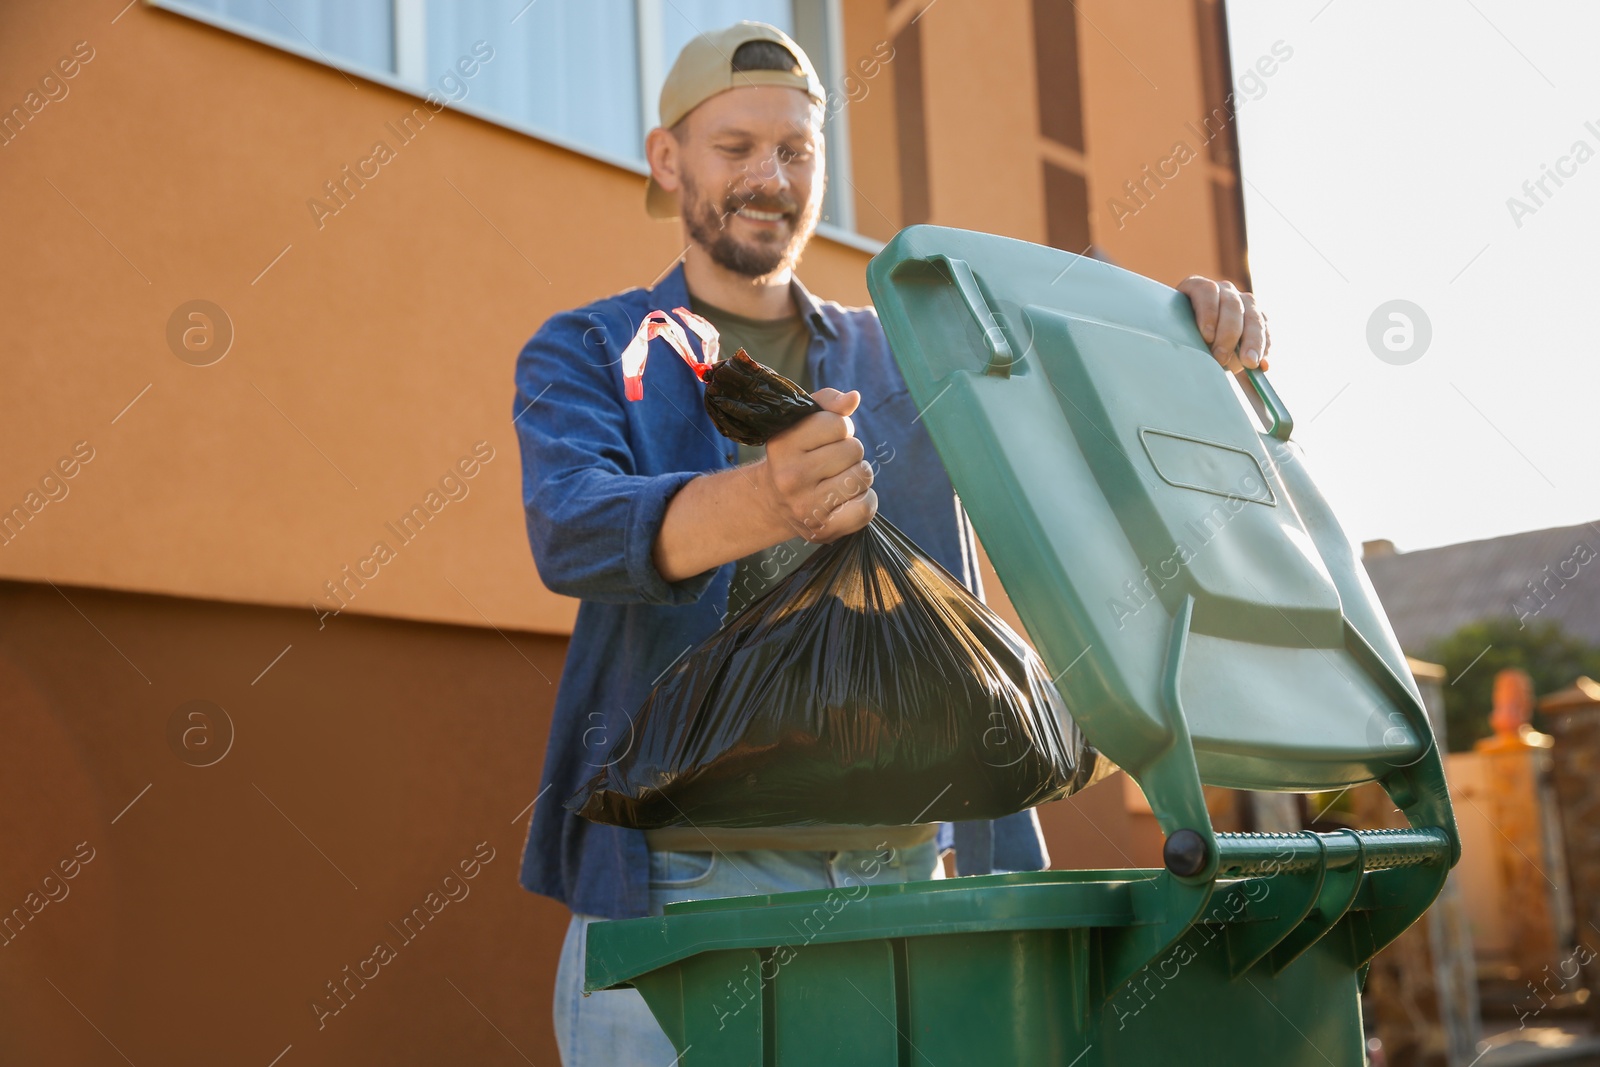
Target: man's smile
x: 751, y: 214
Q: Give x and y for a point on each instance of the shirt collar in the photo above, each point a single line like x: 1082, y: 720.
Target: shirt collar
x: 673, y: 291
x: 810, y: 308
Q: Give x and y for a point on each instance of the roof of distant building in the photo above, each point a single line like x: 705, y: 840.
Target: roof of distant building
x: 1536, y: 576
x: 1583, y: 693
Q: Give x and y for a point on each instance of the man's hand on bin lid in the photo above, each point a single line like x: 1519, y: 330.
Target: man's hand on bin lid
x: 1230, y: 322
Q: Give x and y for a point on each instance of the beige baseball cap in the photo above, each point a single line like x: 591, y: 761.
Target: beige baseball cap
x: 705, y: 68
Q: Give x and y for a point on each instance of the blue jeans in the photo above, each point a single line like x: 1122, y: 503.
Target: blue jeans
x: 613, y: 1028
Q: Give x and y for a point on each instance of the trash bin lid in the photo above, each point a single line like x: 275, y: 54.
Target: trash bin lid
x: 1171, y: 560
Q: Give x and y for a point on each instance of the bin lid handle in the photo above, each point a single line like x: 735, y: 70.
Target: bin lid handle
x: 1271, y: 405
x: 994, y: 338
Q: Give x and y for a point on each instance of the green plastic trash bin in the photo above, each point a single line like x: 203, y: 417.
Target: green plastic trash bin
x: 1207, y: 622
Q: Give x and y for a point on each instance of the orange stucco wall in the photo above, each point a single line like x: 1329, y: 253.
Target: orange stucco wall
x: 1146, y: 76
x: 365, y: 362
x: 372, y: 349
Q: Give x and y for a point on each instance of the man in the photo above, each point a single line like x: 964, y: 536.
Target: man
x: 663, y: 528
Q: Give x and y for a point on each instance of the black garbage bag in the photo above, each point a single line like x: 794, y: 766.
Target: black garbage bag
x: 749, y: 401
x: 867, y: 687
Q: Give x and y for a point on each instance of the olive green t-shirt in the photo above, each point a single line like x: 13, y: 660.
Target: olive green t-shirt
x: 782, y: 345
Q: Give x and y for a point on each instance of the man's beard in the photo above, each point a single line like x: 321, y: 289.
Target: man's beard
x: 707, y: 224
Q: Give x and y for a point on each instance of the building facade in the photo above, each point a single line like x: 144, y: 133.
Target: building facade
x: 275, y: 662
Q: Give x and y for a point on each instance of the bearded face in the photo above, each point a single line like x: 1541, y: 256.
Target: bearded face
x: 749, y: 233
x: 751, y: 177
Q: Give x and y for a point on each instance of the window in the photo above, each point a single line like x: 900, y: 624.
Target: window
x: 1060, y: 92
x: 360, y: 32
x: 568, y: 67
x: 585, y: 74
x: 911, y: 127
x: 1066, y: 209
x: 1055, y: 43
x: 1211, y: 20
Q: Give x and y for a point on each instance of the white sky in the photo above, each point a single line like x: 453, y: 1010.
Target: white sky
x: 1384, y: 150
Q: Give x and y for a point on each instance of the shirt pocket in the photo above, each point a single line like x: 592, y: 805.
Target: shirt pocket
x: 894, y: 400
x: 888, y: 426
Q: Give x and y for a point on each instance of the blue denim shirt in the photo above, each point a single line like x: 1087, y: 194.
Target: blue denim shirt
x: 597, y: 474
